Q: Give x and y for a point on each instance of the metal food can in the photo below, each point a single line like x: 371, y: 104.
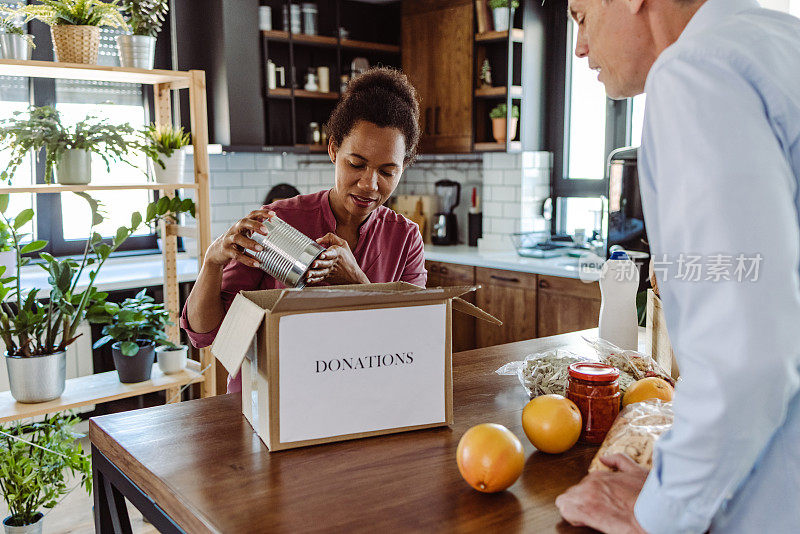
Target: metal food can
x: 288, y: 253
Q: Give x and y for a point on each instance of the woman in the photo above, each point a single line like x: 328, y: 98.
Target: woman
x: 373, y: 134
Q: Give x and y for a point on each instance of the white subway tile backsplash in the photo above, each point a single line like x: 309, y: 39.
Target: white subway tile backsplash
x: 502, y: 193
x: 268, y: 161
x: 226, y: 179
x: 228, y: 213
x: 492, y: 209
x: 246, y: 195
x: 541, y: 160
x: 513, y: 177
x: 504, y: 226
x: 492, y: 177
x: 218, y: 162
x: 511, y: 209
x: 241, y: 161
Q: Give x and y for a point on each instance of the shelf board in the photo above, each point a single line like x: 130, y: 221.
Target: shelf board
x: 76, y: 71
x: 322, y: 40
x: 58, y: 188
x: 513, y: 146
x: 497, y: 92
x: 96, y: 389
x: 517, y: 35
x: 312, y: 148
x: 283, y: 92
x: 373, y: 47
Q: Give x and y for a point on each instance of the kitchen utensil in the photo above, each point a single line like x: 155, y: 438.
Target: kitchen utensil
x: 288, y: 253
x: 445, y: 224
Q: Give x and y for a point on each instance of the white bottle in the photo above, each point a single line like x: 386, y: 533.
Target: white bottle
x: 619, y: 281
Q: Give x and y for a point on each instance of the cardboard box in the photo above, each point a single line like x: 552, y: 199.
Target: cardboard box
x: 342, y: 362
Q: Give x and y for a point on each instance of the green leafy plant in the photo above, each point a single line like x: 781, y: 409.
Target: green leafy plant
x: 135, y: 323
x: 71, y: 13
x: 33, y: 475
x: 145, y: 17
x: 31, y: 325
x: 11, y: 26
x: 5, y: 237
x: 501, y: 110
x: 495, y: 4
x: 164, y: 140
x: 42, y: 128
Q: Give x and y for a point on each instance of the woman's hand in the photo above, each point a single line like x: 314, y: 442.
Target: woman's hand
x: 230, y: 245
x: 336, y: 265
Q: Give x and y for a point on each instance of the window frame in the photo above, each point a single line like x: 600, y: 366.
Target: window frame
x: 48, y: 206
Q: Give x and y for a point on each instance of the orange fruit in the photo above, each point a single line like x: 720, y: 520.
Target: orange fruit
x: 490, y: 457
x: 552, y: 422
x: 651, y: 387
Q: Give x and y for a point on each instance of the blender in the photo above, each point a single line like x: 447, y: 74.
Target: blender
x: 445, y: 224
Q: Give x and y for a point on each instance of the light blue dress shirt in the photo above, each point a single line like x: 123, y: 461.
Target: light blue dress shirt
x: 720, y: 173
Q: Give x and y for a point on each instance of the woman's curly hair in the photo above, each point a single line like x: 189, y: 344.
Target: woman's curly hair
x: 383, y: 97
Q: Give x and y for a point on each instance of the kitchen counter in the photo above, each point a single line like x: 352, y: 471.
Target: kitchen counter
x: 563, y: 266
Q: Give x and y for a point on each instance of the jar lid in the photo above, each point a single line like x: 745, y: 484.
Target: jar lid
x: 593, y: 372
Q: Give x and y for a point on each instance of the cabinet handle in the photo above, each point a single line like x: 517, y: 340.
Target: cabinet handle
x: 504, y: 279
x: 443, y: 270
x: 436, y: 120
x: 428, y: 121
x: 544, y: 284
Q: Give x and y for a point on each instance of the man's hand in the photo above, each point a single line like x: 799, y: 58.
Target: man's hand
x: 336, y: 265
x: 604, y: 500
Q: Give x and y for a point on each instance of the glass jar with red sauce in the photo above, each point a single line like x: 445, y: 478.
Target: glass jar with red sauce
x: 594, y: 388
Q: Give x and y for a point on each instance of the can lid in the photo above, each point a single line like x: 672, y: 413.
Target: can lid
x: 619, y: 255
x: 593, y: 372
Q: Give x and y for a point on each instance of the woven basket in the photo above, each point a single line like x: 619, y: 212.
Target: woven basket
x: 76, y: 44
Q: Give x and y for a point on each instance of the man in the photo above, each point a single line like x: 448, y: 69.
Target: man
x: 720, y: 177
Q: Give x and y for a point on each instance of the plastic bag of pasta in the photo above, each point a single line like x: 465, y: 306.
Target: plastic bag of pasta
x: 632, y: 365
x: 635, y: 431
x: 543, y: 373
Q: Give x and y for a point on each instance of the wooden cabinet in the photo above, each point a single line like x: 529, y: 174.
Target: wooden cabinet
x: 566, y: 305
x: 437, y: 57
x: 448, y: 274
x: 511, y: 297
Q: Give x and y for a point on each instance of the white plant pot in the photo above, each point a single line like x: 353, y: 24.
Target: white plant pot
x: 175, y: 166
x: 171, y: 360
x: 74, y: 167
x: 500, y: 16
x: 8, y: 259
x: 136, y: 51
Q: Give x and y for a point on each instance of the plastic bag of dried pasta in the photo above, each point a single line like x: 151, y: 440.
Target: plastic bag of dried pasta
x: 635, y: 431
x: 543, y: 373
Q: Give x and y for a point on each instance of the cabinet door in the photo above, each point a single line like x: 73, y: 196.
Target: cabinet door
x: 511, y: 297
x: 418, y: 40
x: 567, y: 305
x: 449, y: 274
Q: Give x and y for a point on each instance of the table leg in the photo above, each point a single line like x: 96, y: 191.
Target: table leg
x: 110, y: 510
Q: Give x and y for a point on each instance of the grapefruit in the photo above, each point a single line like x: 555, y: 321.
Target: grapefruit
x: 552, y: 422
x: 490, y: 457
x: 648, y: 388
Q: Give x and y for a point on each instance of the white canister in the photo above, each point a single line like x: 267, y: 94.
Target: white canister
x: 324, y: 79
x: 272, y: 75
x: 619, y: 281
x: 265, y: 18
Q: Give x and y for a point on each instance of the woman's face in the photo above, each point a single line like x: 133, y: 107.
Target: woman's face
x: 369, y: 163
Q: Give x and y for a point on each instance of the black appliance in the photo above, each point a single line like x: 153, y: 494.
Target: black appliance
x: 445, y: 223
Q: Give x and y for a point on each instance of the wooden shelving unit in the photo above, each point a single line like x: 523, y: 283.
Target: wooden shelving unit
x: 517, y: 36
x: 283, y: 92
x: 498, y: 92
x: 103, y: 387
x: 513, y: 146
x: 321, y: 40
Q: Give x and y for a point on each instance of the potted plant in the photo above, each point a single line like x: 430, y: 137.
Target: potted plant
x: 37, y: 330
x: 68, y: 150
x: 14, y: 42
x: 144, y: 17
x: 500, y: 13
x: 166, y: 151
x: 498, y: 115
x: 35, y: 460
x: 74, y: 25
x: 171, y: 358
x: 135, y: 326
x: 8, y: 257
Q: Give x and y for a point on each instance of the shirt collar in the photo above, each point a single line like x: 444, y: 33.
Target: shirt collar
x: 713, y: 12
x: 330, y: 218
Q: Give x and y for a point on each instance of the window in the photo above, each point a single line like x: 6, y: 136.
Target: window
x: 594, y: 126
x: 63, y: 219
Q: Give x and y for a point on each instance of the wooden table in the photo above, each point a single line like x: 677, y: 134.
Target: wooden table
x: 198, y: 467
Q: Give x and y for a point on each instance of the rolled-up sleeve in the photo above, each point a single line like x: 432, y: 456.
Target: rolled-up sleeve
x: 717, y: 187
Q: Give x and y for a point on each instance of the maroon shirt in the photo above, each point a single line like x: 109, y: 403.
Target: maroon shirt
x: 389, y: 249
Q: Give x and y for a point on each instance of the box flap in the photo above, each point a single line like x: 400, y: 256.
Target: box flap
x: 320, y: 298
x: 470, y: 309
x: 236, y: 332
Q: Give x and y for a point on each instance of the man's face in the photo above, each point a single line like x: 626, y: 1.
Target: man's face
x: 615, y: 41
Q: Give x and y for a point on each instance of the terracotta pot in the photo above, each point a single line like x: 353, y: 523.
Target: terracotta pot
x: 499, y: 129
x: 76, y: 44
